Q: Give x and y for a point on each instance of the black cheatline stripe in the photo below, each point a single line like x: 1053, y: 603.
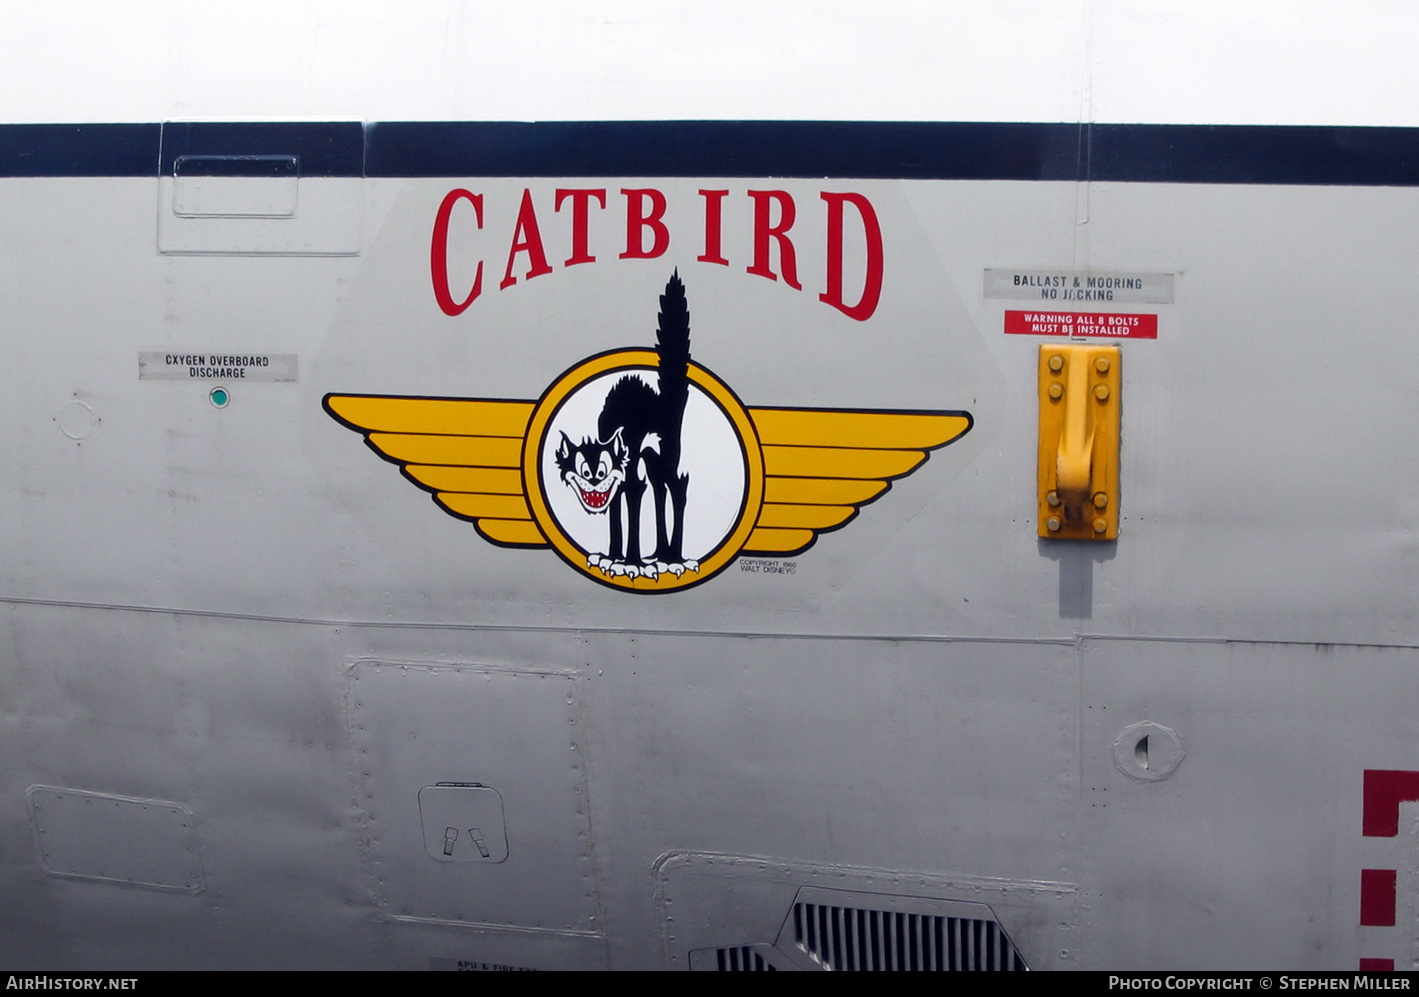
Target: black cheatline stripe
x: 817, y: 149
x: 1206, y: 154
x: 96, y: 150
x: 1256, y: 154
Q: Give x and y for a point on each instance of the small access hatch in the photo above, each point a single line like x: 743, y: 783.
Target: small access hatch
x: 463, y: 822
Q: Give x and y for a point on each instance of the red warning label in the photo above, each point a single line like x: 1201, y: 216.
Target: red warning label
x: 1114, y: 326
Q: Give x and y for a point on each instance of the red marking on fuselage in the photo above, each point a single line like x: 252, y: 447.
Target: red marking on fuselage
x: 1377, y: 894
x: 1384, y: 792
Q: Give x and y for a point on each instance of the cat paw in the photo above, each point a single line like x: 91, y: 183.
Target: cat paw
x: 601, y: 563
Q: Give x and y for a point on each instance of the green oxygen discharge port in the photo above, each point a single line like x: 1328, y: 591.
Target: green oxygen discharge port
x: 219, y: 397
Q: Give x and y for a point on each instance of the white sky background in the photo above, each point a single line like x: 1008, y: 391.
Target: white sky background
x: 1169, y: 61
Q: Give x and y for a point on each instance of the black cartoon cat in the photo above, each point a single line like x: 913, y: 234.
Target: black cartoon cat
x: 637, y: 447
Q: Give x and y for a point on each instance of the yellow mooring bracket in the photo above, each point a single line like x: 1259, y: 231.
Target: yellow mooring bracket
x: 1079, y: 420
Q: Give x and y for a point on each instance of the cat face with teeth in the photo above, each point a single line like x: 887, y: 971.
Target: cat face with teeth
x: 594, y: 470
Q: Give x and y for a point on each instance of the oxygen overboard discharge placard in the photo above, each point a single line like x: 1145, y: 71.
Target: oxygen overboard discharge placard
x: 641, y: 468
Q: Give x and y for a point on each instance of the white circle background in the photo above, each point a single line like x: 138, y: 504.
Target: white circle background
x: 710, y: 453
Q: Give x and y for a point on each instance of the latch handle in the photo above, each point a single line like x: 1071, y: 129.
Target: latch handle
x: 1074, y: 459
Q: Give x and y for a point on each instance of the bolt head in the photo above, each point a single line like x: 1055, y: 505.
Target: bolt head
x: 1056, y: 363
x: 1102, y: 365
x: 1102, y: 392
x: 1056, y: 391
x: 1101, y: 500
x: 1100, y: 525
x: 1053, y: 524
x: 1053, y: 499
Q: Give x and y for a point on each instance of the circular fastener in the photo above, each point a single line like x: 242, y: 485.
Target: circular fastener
x: 1056, y: 363
x: 220, y: 397
x: 1056, y: 390
x: 1148, y: 752
x: 1102, y: 392
x: 1053, y: 524
x: 1101, y: 501
x: 1100, y: 525
x: 1052, y: 499
x: 1102, y: 365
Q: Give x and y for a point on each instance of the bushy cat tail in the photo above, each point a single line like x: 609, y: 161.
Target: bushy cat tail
x: 672, y: 343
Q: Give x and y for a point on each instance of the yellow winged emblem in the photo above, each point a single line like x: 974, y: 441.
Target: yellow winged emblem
x: 822, y: 465
x: 467, y: 451
x: 805, y: 471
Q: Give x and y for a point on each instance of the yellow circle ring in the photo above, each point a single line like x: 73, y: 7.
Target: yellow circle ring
x: 719, y: 558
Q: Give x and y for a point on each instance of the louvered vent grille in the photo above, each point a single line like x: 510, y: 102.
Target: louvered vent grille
x: 741, y: 959
x: 854, y: 938
x: 760, y: 958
